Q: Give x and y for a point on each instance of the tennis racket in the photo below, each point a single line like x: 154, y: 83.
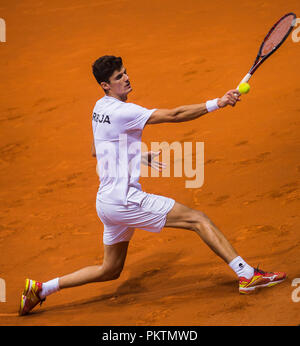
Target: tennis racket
x: 274, y: 39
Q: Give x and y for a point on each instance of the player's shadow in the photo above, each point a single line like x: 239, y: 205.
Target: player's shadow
x: 137, y: 285
x: 158, y: 282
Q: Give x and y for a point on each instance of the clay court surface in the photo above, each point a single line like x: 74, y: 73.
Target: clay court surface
x: 176, y: 53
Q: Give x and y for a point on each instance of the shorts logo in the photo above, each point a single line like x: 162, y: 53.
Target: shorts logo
x: 101, y: 118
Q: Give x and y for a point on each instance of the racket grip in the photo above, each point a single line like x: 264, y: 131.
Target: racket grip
x: 245, y: 79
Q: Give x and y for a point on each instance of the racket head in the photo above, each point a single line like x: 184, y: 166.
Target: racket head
x: 275, y: 38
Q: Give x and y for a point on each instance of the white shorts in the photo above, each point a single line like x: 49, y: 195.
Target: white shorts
x: 120, y: 220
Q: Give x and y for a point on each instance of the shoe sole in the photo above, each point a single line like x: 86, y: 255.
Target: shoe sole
x: 249, y: 290
x: 23, y: 297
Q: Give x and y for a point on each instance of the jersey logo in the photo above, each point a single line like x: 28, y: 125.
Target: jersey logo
x: 101, y: 118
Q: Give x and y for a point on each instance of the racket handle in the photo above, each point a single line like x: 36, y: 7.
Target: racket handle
x: 245, y: 79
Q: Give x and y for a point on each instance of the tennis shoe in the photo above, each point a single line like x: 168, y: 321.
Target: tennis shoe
x: 30, y: 296
x: 260, y: 279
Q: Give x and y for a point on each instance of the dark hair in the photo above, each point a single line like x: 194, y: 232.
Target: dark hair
x: 104, y: 67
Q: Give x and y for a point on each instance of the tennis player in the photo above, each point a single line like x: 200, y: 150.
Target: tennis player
x: 122, y: 205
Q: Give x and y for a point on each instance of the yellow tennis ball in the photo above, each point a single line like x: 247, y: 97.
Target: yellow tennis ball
x: 244, y: 88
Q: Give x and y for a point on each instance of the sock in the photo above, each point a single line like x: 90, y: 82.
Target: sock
x: 49, y: 287
x: 241, y: 268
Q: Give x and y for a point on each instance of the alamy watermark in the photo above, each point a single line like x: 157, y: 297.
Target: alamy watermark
x: 296, y: 291
x: 121, y: 158
x: 2, y: 291
x: 2, y: 30
x: 296, y: 31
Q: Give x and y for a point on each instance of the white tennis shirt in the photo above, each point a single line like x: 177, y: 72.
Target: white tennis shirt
x: 117, y: 129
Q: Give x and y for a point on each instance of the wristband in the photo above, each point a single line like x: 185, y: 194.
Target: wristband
x: 212, y: 105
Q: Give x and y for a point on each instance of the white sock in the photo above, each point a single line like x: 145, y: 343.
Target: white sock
x: 241, y: 268
x: 49, y: 287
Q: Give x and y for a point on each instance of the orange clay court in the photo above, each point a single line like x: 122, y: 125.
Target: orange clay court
x: 176, y: 53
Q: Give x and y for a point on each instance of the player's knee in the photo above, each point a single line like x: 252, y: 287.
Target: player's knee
x: 113, y: 273
x: 201, y: 220
x: 116, y: 273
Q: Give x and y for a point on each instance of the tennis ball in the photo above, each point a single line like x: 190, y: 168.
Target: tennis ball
x: 244, y: 88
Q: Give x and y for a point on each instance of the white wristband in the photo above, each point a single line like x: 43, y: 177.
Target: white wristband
x: 212, y: 105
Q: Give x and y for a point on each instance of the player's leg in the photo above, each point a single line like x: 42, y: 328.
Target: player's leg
x: 181, y: 216
x: 113, y: 262
x: 184, y: 217
x: 110, y: 269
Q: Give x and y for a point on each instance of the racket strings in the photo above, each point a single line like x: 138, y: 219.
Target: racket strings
x: 277, y: 34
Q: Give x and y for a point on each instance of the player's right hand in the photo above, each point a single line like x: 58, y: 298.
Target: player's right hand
x: 230, y: 98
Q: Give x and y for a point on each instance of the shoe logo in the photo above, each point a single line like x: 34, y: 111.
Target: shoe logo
x: 271, y: 278
x: 241, y: 265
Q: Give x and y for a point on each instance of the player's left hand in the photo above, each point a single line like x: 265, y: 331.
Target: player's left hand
x: 148, y: 160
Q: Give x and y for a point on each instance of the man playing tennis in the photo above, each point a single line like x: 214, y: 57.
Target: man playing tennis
x: 122, y: 205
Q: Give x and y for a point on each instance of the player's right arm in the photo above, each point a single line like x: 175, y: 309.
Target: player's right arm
x: 191, y: 112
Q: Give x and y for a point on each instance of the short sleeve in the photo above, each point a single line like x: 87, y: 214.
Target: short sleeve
x: 134, y: 117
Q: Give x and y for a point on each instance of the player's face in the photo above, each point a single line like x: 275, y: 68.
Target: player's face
x: 119, y: 84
